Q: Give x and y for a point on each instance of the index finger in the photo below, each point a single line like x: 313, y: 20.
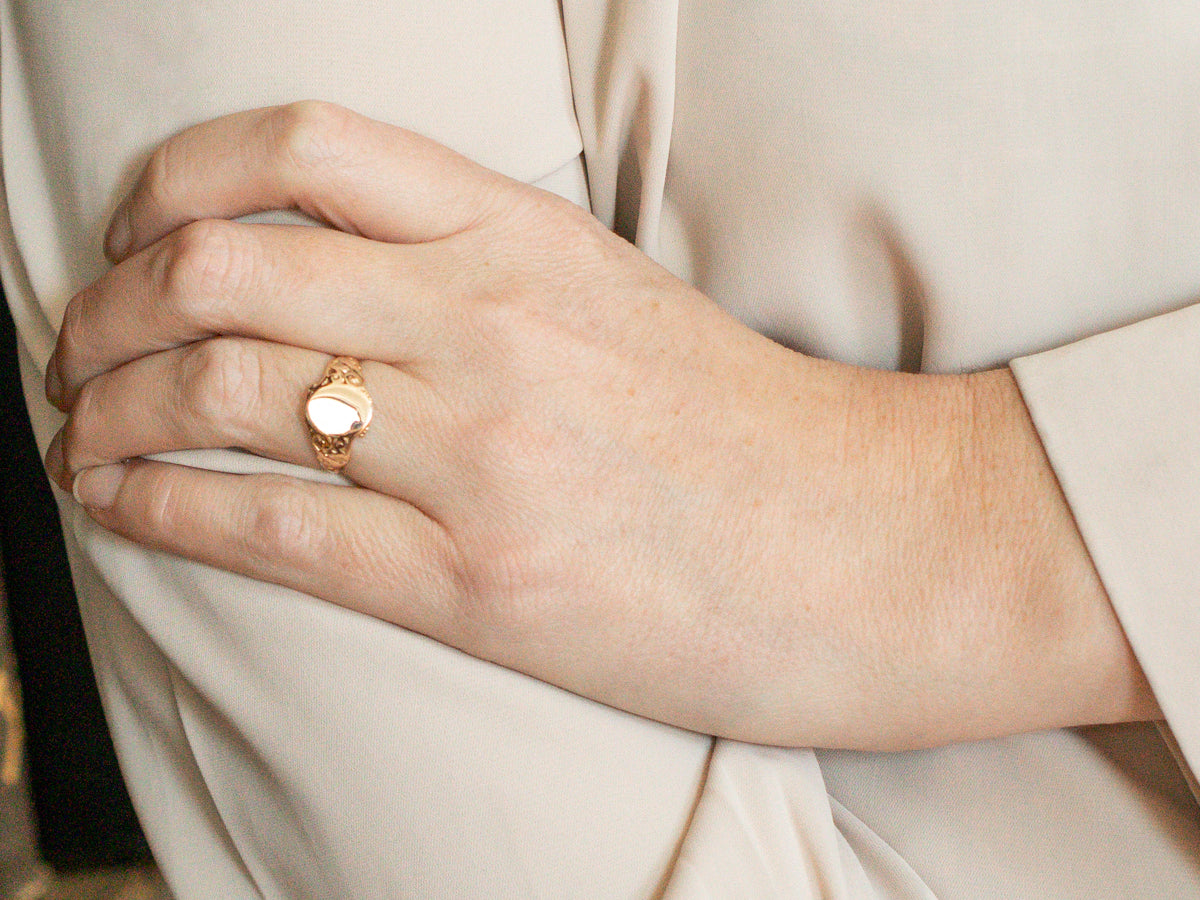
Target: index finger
x: 356, y: 174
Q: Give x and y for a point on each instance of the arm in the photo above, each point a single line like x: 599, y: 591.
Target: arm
x: 599, y: 477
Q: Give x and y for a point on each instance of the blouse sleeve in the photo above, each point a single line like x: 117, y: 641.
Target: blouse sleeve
x: 1119, y: 415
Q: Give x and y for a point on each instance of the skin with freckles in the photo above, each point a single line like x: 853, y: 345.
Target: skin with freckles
x: 579, y: 466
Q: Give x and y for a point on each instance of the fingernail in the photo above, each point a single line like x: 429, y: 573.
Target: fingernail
x: 119, y: 237
x: 97, y: 488
x: 54, y: 388
x: 55, y: 465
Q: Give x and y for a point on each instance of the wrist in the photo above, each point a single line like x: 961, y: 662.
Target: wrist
x: 1066, y: 660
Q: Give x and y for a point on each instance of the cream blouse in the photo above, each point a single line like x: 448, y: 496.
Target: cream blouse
x: 934, y: 186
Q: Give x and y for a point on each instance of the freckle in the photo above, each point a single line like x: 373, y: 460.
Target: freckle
x: 632, y: 392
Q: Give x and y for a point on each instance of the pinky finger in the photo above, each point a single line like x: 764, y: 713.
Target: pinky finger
x: 348, y: 545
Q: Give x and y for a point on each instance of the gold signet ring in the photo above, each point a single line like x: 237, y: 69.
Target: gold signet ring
x: 338, y: 410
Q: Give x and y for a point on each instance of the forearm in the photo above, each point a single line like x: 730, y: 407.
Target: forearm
x: 939, y: 564
x: 581, y: 468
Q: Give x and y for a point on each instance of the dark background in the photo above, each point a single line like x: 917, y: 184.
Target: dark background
x: 83, y: 812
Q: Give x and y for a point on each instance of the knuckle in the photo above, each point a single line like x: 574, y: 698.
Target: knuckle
x: 443, y: 561
x: 309, y: 134
x: 73, y: 333
x: 165, y: 172
x: 577, y: 226
x: 202, y: 268
x: 499, y: 596
x: 548, y: 223
x: 523, y: 304
x: 78, y: 427
x: 503, y: 320
x: 284, y: 523
x: 560, y: 224
x: 163, y: 510
x: 478, y: 617
x: 221, y: 385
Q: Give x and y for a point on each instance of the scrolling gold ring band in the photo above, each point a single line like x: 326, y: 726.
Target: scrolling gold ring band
x: 338, y: 410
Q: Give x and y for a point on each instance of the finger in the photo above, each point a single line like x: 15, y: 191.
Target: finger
x: 347, y: 545
x: 308, y: 287
x: 234, y: 392
x: 356, y: 174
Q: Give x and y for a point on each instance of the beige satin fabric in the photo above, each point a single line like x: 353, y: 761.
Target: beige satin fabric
x: 935, y: 186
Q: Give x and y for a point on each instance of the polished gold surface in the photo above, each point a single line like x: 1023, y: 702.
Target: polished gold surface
x: 338, y: 409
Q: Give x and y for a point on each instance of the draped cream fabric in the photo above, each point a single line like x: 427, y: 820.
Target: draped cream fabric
x: 932, y: 186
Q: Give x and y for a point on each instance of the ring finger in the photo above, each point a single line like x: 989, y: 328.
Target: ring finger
x: 249, y: 394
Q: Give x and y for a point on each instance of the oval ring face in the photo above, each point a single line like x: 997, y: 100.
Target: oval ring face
x: 338, y: 409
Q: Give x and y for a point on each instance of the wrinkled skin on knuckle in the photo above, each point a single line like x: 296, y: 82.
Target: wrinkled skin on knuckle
x: 77, y: 429
x: 488, y: 562
x: 527, y: 275
x: 503, y: 328
x: 165, y: 510
x: 309, y: 136
x: 221, y: 386
x: 165, y: 178
x: 511, y: 578
x: 202, y: 269
x: 73, y: 334
x: 500, y: 450
x: 558, y: 296
x: 560, y: 239
x: 523, y: 323
x: 283, y: 525
x: 487, y: 613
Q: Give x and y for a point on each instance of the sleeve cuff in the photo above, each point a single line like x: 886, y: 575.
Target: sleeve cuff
x: 1119, y: 416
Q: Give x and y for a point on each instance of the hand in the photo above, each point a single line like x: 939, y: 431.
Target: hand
x: 579, y: 466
